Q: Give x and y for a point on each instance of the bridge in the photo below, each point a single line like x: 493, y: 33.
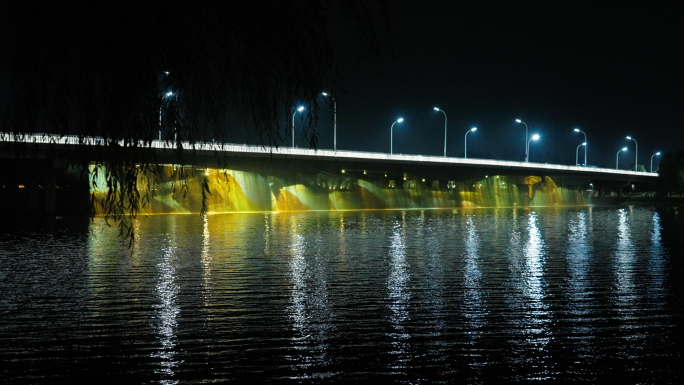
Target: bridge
x: 43, y: 159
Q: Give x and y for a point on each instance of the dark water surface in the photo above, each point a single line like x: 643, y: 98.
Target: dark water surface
x: 438, y: 296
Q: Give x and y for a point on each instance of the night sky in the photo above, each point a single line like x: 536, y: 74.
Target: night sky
x: 608, y: 70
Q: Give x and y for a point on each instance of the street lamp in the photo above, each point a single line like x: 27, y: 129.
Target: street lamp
x: 300, y: 109
x: 445, y: 128
x: 585, y: 145
x: 617, y: 157
x: 534, y: 137
x: 334, y: 120
x: 657, y: 153
x: 465, y: 154
x: 392, y: 128
x: 636, y: 153
x: 577, y: 153
x: 527, y: 148
x: 166, y: 95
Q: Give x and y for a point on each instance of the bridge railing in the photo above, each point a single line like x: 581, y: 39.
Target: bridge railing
x: 41, y: 138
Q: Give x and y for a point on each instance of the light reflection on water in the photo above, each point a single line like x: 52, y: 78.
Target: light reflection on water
x: 399, y: 297
x: 439, y: 296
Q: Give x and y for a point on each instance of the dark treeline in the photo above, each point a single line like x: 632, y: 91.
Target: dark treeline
x: 672, y: 173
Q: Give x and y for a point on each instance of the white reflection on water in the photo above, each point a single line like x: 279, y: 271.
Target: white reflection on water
x: 529, y: 313
x: 399, y: 295
x: 206, y: 256
x: 310, y: 309
x: 475, y: 310
x: 168, y: 311
x: 537, y: 315
x: 624, y: 265
x: 657, y: 263
x: 579, y: 251
x: 436, y: 284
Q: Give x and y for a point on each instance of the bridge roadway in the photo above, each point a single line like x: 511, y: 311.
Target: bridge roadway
x: 204, y: 152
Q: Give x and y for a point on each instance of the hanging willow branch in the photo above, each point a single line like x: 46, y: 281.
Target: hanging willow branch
x: 185, y: 72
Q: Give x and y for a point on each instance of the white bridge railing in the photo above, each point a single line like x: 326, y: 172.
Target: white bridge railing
x: 287, y: 151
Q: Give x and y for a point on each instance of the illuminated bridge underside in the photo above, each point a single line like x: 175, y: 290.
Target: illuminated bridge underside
x: 232, y: 190
x: 244, y: 178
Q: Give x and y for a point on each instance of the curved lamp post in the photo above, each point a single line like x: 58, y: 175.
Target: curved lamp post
x: 392, y: 128
x: 445, y: 128
x: 534, y: 137
x: 657, y: 153
x: 334, y: 120
x: 166, y: 95
x: 577, y: 153
x: 465, y: 154
x: 617, y: 157
x: 527, y: 148
x: 585, y: 145
x: 300, y: 109
x: 636, y: 153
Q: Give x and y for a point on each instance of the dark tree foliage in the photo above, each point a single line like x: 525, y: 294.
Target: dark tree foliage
x: 105, y: 69
x: 671, y: 172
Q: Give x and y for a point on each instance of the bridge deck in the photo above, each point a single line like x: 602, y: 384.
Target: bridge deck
x: 322, y: 154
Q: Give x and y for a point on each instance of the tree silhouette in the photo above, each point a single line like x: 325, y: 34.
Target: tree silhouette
x: 106, y: 70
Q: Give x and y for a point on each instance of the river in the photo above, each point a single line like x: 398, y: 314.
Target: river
x: 419, y: 296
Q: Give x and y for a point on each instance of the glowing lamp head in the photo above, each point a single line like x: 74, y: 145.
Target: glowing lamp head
x: 658, y: 153
x: 518, y: 120
x: 577, y: 130
x: 584, y: 144
x: 624, y: 149
x: 170, y: 93
x: 473, y: 129
x: 400, y: 120
x: 324, y: 93
x: 436, y: 109
x: 300, y: 109
x: 629, y: 137
x: 535, y: 137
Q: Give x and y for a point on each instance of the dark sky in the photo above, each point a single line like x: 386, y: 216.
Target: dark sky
x: 611, y: 71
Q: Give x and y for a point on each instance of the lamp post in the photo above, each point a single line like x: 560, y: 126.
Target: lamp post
x: 617, y: 157
x: 445, y: 128
x: 334, y: 120
x: 636, y: 153
x: 657, y: 153
x: 527, y: 143
x: 166, y: 95
x: 391, y: 135
x: 300, y: 109
x: 534, y: 137
x: 585, y: 145
x: 465, y: 154
x: 577, y: 153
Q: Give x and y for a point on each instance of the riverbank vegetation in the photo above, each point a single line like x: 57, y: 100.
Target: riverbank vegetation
x: 672, y: 174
